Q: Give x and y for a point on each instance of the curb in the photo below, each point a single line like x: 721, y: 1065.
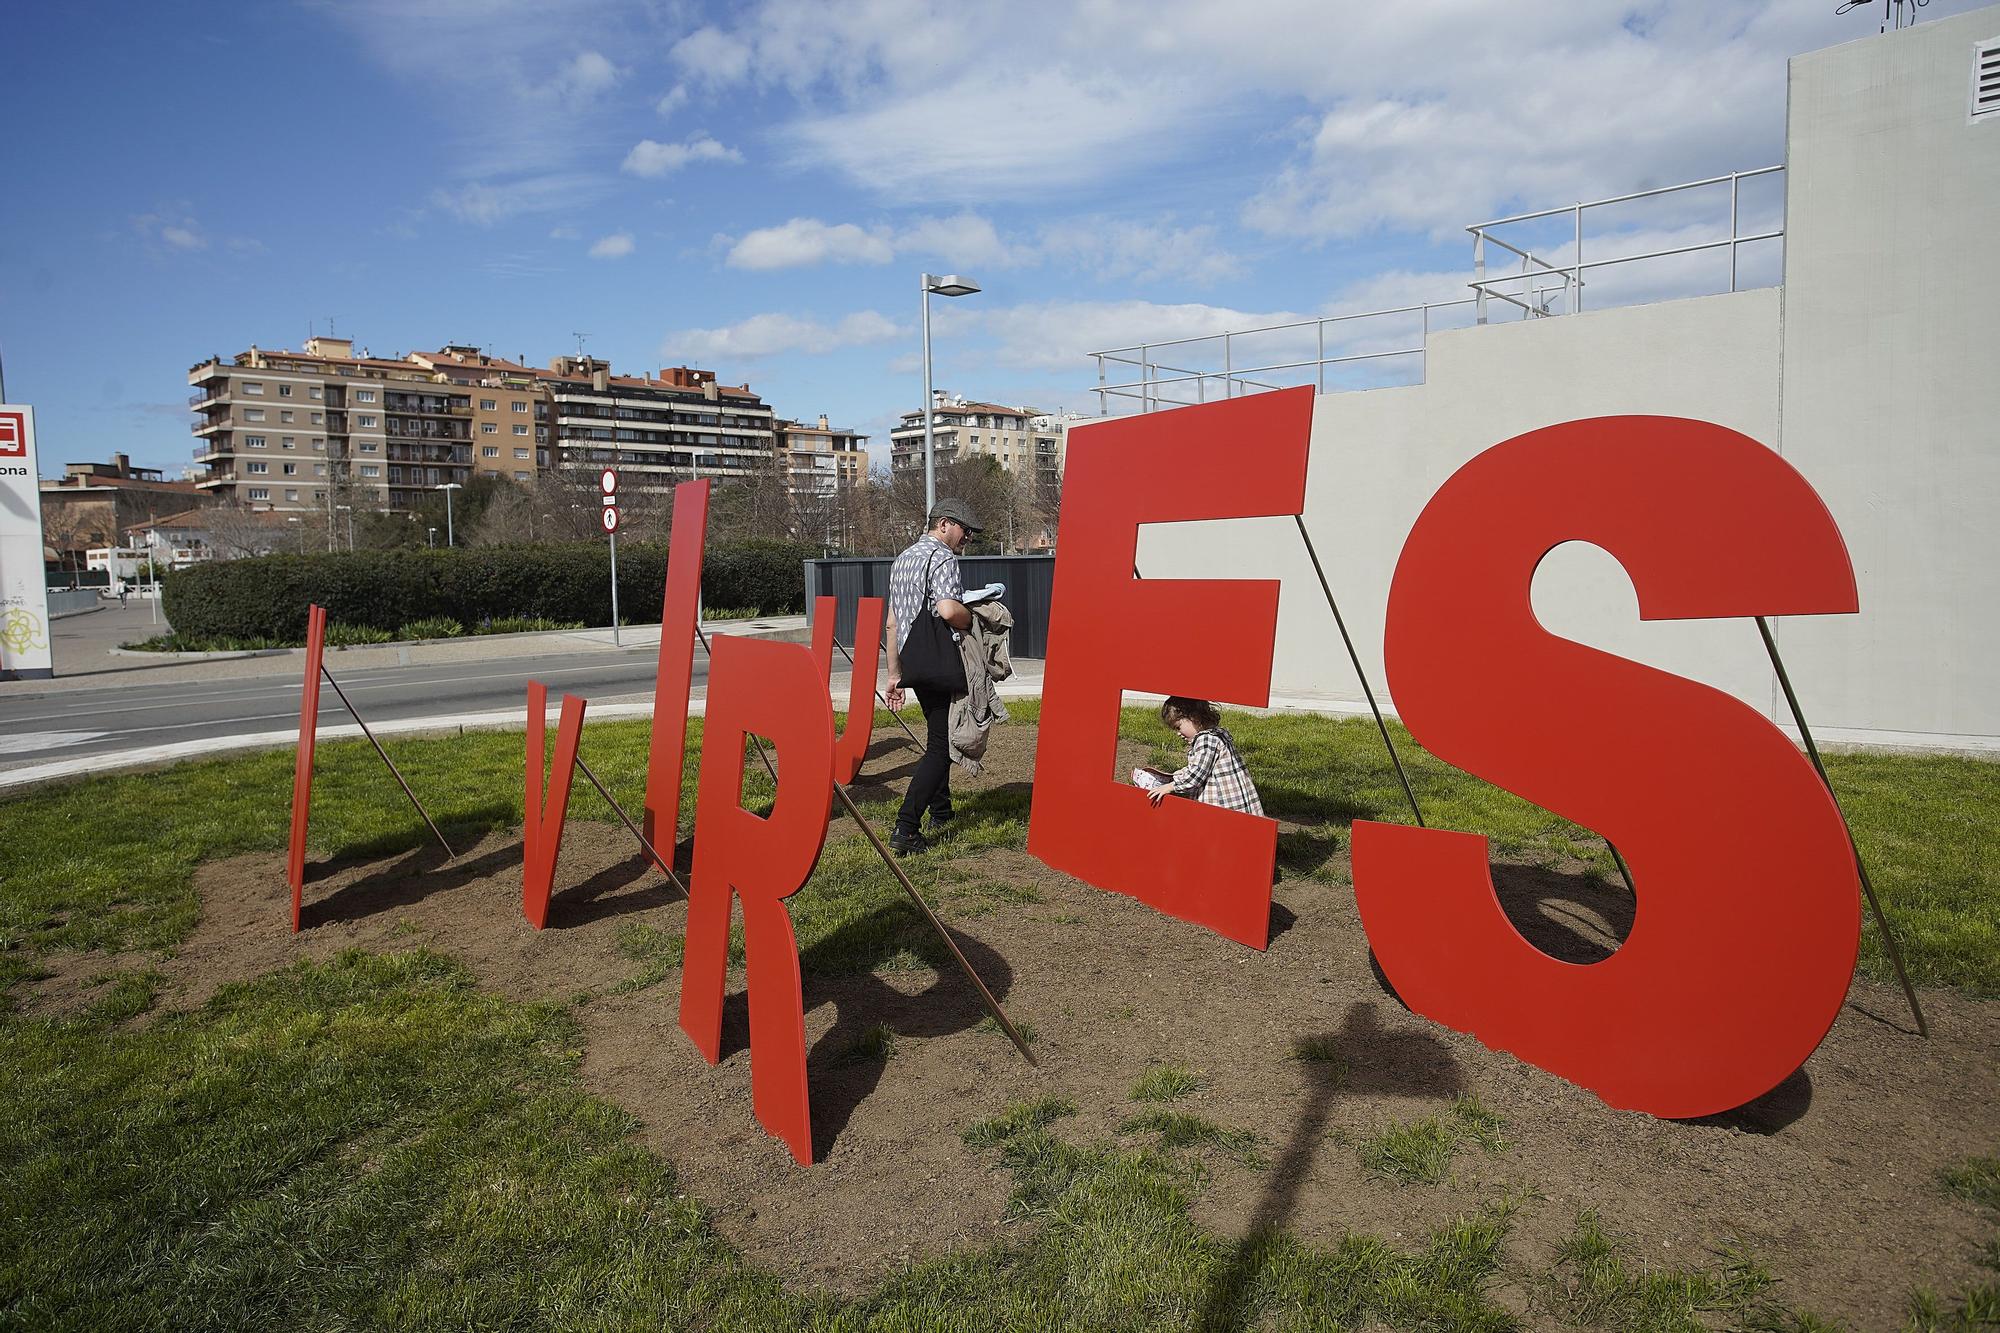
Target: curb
x: 800, y: 634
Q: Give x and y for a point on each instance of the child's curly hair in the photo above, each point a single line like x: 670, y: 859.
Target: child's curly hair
x: 1198, y: 711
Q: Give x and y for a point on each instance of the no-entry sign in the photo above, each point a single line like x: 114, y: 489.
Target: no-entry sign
x: 608, y: 482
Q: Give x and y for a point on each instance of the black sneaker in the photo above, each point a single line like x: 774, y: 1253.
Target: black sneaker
x: 908, y: 844
x: 940, y: 818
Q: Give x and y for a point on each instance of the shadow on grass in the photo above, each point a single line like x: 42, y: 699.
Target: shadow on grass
x: 1574, y: 917
x: 399, y: 883
x: 847, y: 1063
x: 1302, y: 805
x: 1361, y: 1058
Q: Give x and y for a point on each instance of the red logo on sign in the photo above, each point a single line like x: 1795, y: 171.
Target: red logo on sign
x: 13, y: 435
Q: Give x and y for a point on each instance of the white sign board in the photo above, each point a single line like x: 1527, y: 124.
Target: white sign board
x: 24, y: 594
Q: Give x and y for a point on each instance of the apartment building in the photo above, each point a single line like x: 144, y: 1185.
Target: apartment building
x: 1026, y: 442
x: 821, y: 460
x: 510, y: 410
x: 656, y: 431
x: 95, y: 504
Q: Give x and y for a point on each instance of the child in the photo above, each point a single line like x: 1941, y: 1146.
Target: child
x: 1214, y: 773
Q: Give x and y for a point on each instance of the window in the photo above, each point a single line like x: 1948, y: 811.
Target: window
x: 254, y: 441
x: 260, y: 493
x: 488, y: 428
x: 253, y: 414
x: 289, y: 441
x: 318, y: 418
x: 319, y: 444
x: 521, y: 453
x: 292, y: 495
x: 489, y: 451
x: 257, y: 467
x: 364, y: 395
x: 319, y: 469
x: 521, y: 405
x: 371, y: 469
x: 253, y: 387
x: 369, y: 446
x: 284, y: 391
x: 520, y: 428
x: 285, y: 416
x: 316, y: 393
x: 488, y: 405
x: 520, y: 476
x: 319, y: 495
x: 291, y: 469
x: 366, y: 423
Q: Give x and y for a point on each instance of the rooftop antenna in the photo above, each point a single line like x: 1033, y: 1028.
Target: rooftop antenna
x: 1893, y: 12
x: 579, y: 342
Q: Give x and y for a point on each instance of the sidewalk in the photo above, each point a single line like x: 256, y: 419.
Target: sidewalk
x: 87, y: 650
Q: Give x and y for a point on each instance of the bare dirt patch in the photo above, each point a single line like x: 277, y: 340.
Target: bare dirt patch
x: 1830, y: 1179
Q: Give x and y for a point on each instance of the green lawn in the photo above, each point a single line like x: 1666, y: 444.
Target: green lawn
x: 376, y: 1141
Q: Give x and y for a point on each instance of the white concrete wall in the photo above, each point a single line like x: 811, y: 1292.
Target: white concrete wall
x: 1892, y: 373
x: 1378, y: 456
x: 1875, y: 370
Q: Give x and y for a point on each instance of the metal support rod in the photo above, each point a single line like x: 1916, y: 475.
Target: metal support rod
x: 1734, y: 228
x: 394, y: 771
x: 1867, y: 886
x: 885, y: 703
x: 614, y: 589
x: 666, y: 867
x: 1576, y: 273
x: 1355, y: 658
x: 985, y: 996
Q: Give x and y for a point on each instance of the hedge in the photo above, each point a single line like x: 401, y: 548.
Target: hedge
x: 267, y: 596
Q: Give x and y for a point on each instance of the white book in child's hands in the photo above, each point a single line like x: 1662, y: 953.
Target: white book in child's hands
x: 1149, y: 778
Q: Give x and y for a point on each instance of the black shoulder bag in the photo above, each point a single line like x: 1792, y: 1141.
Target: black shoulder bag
x: 930, y: 658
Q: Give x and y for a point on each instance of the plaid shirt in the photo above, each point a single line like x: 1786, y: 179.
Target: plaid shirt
x: 1215, y: 774
x: 924, y: 573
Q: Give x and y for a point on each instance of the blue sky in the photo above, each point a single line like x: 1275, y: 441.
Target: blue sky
x: 754, y: 188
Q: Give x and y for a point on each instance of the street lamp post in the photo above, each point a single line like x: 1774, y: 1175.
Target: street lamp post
x: 951, y: 284
x: 349, y: 511
x: 433, y: 537
x: 450, y: 538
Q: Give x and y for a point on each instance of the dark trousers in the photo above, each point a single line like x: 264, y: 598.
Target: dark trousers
x: 930, y: 785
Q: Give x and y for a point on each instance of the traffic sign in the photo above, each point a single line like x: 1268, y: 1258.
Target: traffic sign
x: 611, y: 518
x: 608, y: 482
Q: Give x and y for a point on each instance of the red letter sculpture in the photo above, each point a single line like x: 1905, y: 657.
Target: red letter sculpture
x: 302, y: 766
x: 1747, y: 922
x: 667, y: 755
x: 852, y: 747
x: 774, y: 690
x: 542, y: 826
x: 1209, y: 637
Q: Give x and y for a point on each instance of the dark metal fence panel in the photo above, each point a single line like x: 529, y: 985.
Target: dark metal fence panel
x: 1030, y: 581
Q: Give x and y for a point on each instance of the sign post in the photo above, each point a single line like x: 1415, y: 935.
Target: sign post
x: 24, y: 591
x: 608, y: 483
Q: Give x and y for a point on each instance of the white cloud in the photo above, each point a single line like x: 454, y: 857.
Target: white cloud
x: 711, y: 56
x: 803, y: 241
x: 615, y: 246
x: 485, y: 202
x: 173, y: 228
x: 587, y: 74
x: 651, y: 159
x: 672, y: 100
x: 1059, y: 335
x: 1144, y: 252
x: 565, y: 234
x: 772, y: 334
x: 182, y: 238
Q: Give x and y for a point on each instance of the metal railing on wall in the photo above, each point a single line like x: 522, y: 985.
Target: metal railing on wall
x: 1146, y: 376
x: 1534, y: 294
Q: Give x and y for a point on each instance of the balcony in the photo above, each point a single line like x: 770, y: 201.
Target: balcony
x: 208, y: 424
x: 225, y: 477
x: 201, y: 402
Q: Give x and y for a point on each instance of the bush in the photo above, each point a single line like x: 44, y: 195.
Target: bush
x: 431, y: 627
x: 523, y: 625
x: 349, y: 636
x: 266, y: 597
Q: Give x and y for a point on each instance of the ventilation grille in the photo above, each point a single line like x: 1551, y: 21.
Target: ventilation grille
x: 1986, y: 79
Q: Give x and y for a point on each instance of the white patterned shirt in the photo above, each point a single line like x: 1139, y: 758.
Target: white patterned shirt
x: 925, y: 572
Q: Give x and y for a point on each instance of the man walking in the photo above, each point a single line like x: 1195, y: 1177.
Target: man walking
x: 925, y: 580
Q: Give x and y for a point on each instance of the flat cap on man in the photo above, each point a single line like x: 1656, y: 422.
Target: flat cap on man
x: 958, y: 511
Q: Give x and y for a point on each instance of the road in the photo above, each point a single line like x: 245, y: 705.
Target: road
x: 77, y: 723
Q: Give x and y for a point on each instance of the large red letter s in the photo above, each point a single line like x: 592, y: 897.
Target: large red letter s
x: 773, y: 690
x: 1208, y: 637
x: 1748, y: 917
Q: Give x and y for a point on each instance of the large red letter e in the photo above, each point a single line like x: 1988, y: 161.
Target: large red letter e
x: 1748, y: 916
x: 773, y: 690
x: 1209, y: 637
